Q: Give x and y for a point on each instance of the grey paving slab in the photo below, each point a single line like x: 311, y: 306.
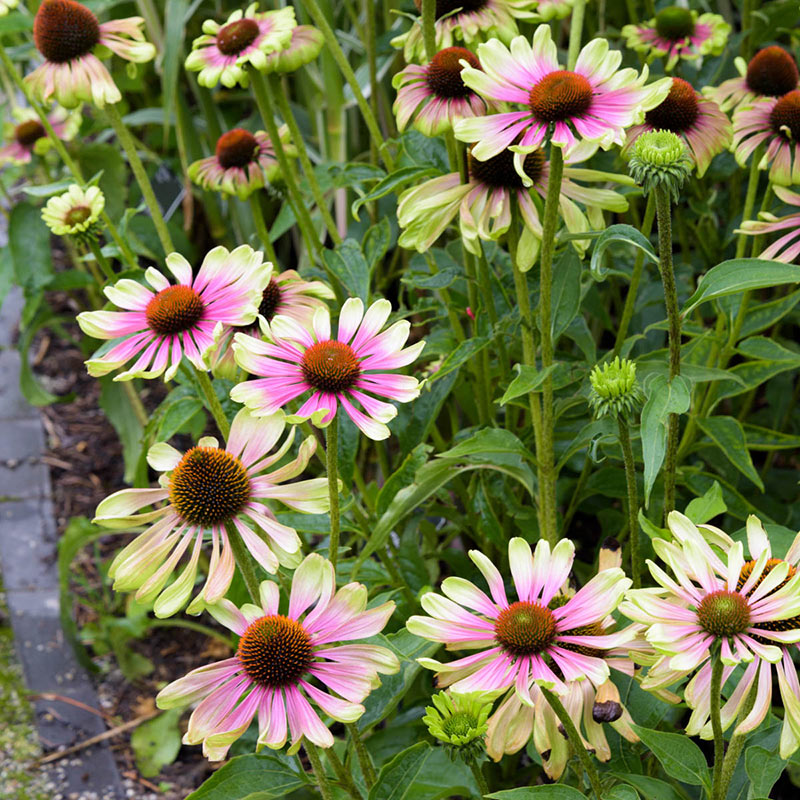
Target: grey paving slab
x: 27, y: 545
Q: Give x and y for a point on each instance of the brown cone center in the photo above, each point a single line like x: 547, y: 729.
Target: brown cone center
x: 64, y: 29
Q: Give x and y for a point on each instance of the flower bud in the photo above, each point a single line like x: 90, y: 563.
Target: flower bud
x: 614, y: 388
x: 460, y: 723
x: 660, y: 158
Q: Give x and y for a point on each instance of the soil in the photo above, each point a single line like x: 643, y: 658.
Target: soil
x: 86, y: 465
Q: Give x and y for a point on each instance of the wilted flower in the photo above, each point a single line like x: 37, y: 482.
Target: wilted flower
x: 67, y: 34
x: 209, y: 489
x: 223, y: 52
x: 74, y: 212
x: 297, y: 360
x: 280, y: 662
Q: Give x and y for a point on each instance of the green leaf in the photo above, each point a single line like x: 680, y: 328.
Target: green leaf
x: 114, y: 180
x: 617, y: 233
x: 650, y: 788
x: 29, y: 242
x: 29, y: 385
x: 759, y: 438
x: 396, y: 778
x: 376, y: 242
x: 415, y: 420
x: 156, y: 743
x: 252, y: 777
x: 402, y: 476
x: 393, y: 183
x: 439, y: 280
x: 728, y: 435
x: 48, y: 189
x: 349, y: 267
x: 463, y: 353
x: 621, y: 793
x: 681, y: 758
x: 118, y: 410
x: 554, y: 792
x: 529, y: 379
x: 16, y: 23
x: 764, y: 349
x: 763, y: 768
x: 741, y: 275
x: 764, y: 316
x: 566, y: 291
x: 711, y: 504
x: 174, y: 19
x: 663, y: 398
x: 178, y: 416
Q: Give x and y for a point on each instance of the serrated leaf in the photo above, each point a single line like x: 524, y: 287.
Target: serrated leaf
x: 350, y: 268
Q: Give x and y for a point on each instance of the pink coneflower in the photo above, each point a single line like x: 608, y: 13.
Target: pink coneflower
x: 679, y: 33
x: 434, y: 94
x: 209, y: 489
x: 590, y: 706
x: 283, y: 661
x: 170, y: 321
x: 28, y: 136
x: 698, y: 121
x: 483, y: 204
x: 223, y: 52
x: 595, y: 102
x: 787, y: 247
x: 537, y: 640
x: 67, y: 34
x: 775, y: 123
x: 712, y: 603
x: 287, y: 294
x: 772, y: 72
x: 335, y: 370
x: 468, y: 21
x: 243, y: 163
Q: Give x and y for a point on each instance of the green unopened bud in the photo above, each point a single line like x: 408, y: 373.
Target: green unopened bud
x: 460, y: 723
x: 614, y: 388
x: 660, y: 158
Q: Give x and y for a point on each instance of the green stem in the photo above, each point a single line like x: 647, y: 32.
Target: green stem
x: 342, y: 774
x: 528, y: 356
x: 370, y: 39
x: 264, y: 102
x: 318, y: 770
x: 364, y: 758
x: 576, y: 493
x: 636, y: 277
x: 633, y: 500
x: 101, y: 260
x: 212, y: 401
x: 320, y: 20
x: 129, y: 146
x: 546, y: 455
x: 261, y: 228
x: 734, y: 750
x: 716, y: 722
x: 244, y: 561
x: 487, y: 294
x: 332, y: 462
x: 749, y: 201
x: 429, y: 27
x: 136, y: 403
x: 575, y: 31
x: 575, y: 740
x: 277, y: 94
x: 483, y: 786
x: 663, y: 213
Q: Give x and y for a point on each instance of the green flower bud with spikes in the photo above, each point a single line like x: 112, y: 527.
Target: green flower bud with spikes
x: 660, y: 158
x: 614, y: 388
x: 460, y: 723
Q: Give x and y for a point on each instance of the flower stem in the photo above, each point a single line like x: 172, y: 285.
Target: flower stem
x: 318, y: 769
x: 749, y: 201
x: 212, y: 401
x: 244, y: 561
x: 364, y: 758
x: 101, y: 260
x: 429, y: 27
x: 633, y: 500
x: 332, y: 463
x: 483, y: 786
x: 575, y: 31
x: 261, y: 228
x: 277, y: 94
x: 342, y: 774
x: 575, y: 740
x: 312, y: 6
x: 545, y: 454
x: 136, y: 402
x: 734, y: 750
x: 264, y: 102
x: 716, y: 722
x: 528, y: 356
x: 129, y: 146
x: 636, y: 277
x: 663, y: 214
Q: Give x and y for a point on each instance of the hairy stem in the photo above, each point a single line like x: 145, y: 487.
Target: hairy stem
x: 332, y: 462
x: 261, y: 228
x: 480, y: 779
x: 212, y: 401
x: 429, y: 27
x: 716, y: 722
x: 342, y: 774
x: 364, y: 758
x: 318, y: 770
x: 633, y: 500
x: 735, y: 747
x: 244, y: 561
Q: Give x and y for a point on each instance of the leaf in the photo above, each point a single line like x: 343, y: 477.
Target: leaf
x: 759, y: 438
x: 402, y: 476
x: 663, y: 398
x: 348, y: 265
x: 681, y: 758
x: 114, y: 180
x: 463, y: 353
x: 710, y: 505
x: 728, y: 436
x: 174, y: 19
x: 29, y: 242
x: 764, y: 316
x: 392, y: 183
x: 741, y: 275
x: 566, y: 291
x: 614, y: 234
x: 440, y: 777
x: 252, y: 777
x: 529, y: 379
x: 415, y: 420
x: 156, y: 743
x: 117, y: 408
x: 29, y: 385
x: 376, y: 242
x: 16, y: 23
x: 621, y: 793
x: 396, y: 778
x: 763, y: 768
x: 177, y: 415
x: 650, y: 788
x: 553, y: 792
x: 439, y: 280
